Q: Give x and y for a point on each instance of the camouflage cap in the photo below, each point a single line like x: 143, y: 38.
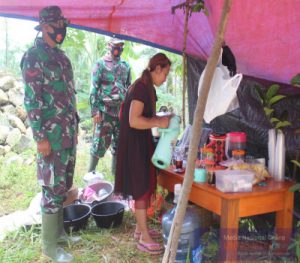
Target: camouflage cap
x: 116, y: 41
x: 50, y: 14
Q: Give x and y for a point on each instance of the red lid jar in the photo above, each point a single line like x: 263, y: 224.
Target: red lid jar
x: 235, y: 141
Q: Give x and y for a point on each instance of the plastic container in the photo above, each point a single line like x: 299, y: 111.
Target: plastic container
x: 108, y: 214
x: 200, y: 175
x: 189, y: 240
x: 235, y: 141
x: 76, y: 216
x: 238, y: 155
x: 234, y: 180
x: 100, y: 192
x: 217, y: 143
x: 207, y: 157
x: 163, y: 152
x: 211, y: 176
x: 92, y: 178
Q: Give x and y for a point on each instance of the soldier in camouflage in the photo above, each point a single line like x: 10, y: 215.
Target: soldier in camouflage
x: 110, y: 79
x: 51, y: 108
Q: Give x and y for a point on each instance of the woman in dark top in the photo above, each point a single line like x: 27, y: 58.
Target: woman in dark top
x: 135, y: 174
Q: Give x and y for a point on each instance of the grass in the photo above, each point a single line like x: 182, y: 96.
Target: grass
x: 18, y: 186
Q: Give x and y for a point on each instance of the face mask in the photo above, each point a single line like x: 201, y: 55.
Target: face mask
x: 116, y: 51
x: 58, y: 34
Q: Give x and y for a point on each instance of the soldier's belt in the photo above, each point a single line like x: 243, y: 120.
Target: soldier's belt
x: 111, y: 102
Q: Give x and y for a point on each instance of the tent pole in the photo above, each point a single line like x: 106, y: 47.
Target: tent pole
x: 171, y: 249
x: 184, y: 64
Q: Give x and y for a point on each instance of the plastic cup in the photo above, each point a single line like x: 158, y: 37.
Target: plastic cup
x: 200, y: 175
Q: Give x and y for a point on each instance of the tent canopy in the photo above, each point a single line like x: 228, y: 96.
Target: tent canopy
x: 263, y: 35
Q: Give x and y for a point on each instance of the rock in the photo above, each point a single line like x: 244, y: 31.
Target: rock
x: 4, y: 131
x: 6, y: 83
x: 7, y: 148
x: 14, y: 159
x: 21, y: 113
x: 9, y: 109
x: 29, y: 132
x: 3, y: 119
x: 16, y: 123
x: 19, y: 85
x: 13, y: 137
x: 16, y: 97
x: 29, y: 161
x: 24, y: 143
x: 3, y: 98
x: 2, y: 150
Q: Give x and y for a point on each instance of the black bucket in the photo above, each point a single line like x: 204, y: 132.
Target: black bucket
x: 76, y: 216
x: 108, y: 214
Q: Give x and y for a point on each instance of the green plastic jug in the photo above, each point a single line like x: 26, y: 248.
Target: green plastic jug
x: 163, y: 152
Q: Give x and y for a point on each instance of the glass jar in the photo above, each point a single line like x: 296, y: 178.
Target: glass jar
x: 211, y: 176
x: 207, y: 157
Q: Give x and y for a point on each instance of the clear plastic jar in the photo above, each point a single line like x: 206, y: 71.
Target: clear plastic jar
x: 238, y: 155
x: 235, y: 141
x: 207, y: 157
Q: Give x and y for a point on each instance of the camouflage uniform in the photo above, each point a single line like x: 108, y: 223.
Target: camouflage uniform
x: 110, y: 77
x: 51, y: 107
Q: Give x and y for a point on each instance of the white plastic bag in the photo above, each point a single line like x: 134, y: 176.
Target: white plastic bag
x: 222, y: 95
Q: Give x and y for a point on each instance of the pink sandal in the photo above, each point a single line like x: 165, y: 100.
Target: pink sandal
x: 151, y: 248
x: 153, y: 233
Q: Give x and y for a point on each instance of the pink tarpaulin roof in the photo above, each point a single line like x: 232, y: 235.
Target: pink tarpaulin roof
x: 263, y: 34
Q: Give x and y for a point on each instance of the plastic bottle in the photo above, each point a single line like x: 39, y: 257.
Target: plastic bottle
x: 190, y: 231
x: 163, y: 153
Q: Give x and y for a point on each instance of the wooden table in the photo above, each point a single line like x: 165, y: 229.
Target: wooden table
x: 274, y: 197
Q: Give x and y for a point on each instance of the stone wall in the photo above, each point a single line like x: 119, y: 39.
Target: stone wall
x: 15, y: 134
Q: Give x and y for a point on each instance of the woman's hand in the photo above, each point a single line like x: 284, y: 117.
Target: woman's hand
x: 163, y: 122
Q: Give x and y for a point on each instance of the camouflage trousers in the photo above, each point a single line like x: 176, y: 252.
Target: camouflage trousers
x: 106, y: 133
x: 55, y: 175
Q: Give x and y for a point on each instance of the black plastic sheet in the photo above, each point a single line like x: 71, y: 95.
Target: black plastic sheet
x: 249, y: 117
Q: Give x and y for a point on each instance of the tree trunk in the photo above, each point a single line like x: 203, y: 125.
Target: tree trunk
x: 170, y: 252
x: 187, y: 12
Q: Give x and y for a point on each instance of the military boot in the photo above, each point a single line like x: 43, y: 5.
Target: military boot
x: 63, y: 237
x: 93, y: 163
x: 49, y: 238
x: 113, y: 164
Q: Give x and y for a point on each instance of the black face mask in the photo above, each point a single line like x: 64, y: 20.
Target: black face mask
x: 58, y: 35
x: 116, y: 51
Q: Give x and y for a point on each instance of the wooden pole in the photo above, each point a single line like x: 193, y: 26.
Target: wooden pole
x: 186, y: 21
x: 170, y: 252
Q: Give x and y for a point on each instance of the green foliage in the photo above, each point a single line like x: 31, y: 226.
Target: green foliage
x: 166, y: 99
x: 296, y: 187
x: 199, y: 6
x: 84, y: 49
x: 210, y: 244
x: 97, y: 245
x: 296, y: 244
x: 295, y: 162
x: 268, y: 99
x: 17, y: 185
x: 296, y: 80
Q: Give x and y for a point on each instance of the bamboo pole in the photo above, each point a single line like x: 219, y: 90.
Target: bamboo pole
x: 171, y: 249
x: 186, y: 21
